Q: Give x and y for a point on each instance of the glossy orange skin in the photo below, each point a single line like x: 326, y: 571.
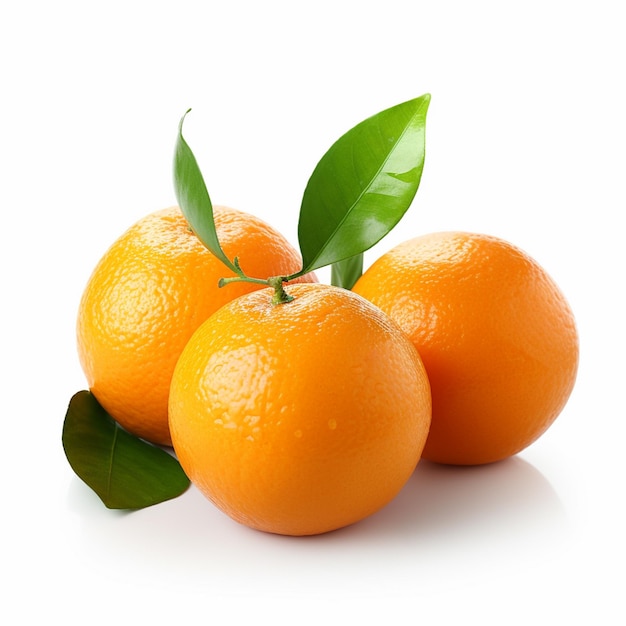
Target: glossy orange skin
x: 497, y: 337
x: 150, y: 291
x: 299, y: 418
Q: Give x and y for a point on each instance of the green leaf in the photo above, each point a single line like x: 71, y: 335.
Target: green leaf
x: 345, y: 273
x: 125, y: 472
x: 193, y: 197
x: 363, y: 185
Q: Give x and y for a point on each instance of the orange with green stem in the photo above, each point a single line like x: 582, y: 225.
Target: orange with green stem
x: 342, y: 214
x: 301, y: 411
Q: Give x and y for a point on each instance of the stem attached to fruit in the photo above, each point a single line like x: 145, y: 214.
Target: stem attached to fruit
x: 280, y: 295
x: 276, y: 282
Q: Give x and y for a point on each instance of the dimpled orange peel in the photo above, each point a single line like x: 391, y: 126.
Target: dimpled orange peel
x: 150, y: 291
x: 496, y: 335
x: 301, y: 417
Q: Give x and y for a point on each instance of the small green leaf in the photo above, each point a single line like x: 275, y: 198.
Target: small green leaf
x: 363, y: 185
x: 345, y: 273
x: 193, y: 197
x: 125, y: 472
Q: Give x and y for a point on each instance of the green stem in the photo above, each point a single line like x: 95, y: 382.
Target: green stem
x: 276, y: 282
x: 280, y: 295
x: 242, y: 279
x: 298, y: 274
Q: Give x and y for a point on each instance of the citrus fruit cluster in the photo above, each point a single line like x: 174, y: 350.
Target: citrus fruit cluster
x: 297, y: 407
x: 304, y: 413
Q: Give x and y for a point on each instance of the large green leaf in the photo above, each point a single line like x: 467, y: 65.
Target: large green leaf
x: 193, y: 197
x: 125, y: 472
x: 363, y: 185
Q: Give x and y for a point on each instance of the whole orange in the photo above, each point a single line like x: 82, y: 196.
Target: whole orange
x: 497, y: 337
x: 150, y: 291
x: 303, y: 417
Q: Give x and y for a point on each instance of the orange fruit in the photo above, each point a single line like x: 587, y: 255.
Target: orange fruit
x: 303, y: 417
x: 495, y: 333
x: 150, y: 291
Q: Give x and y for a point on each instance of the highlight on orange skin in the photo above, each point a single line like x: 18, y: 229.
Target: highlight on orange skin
x: 150, y: 291
x: 303, y: 417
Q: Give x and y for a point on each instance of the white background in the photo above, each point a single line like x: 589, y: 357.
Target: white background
x: 525, y: 140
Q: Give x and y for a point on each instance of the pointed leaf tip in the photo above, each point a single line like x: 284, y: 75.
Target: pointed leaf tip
x: 193, y: 197
x: 363, y: 185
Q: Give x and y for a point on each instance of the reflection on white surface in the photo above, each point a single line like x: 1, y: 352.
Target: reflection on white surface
x: 447, y: 524
x: 443, y: 502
